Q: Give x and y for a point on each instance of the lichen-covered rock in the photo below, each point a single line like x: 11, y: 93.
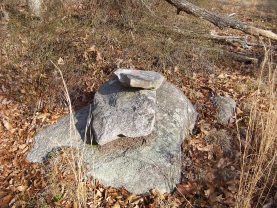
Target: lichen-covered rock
x: 139, y: 78
x: 122, y: 111
x: 138, y: 168
x: 61, y: 134
x: 226, y: 108
x: 35, y: 7
x: 157, y: 164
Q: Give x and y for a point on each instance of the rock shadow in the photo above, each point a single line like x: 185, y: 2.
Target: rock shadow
x: 83, y: 124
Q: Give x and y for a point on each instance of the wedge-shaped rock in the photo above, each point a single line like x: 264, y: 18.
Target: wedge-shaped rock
x: 139, y: 78
x: 122, y: 111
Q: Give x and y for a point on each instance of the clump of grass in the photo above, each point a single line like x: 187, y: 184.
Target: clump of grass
x: 65, y: 179
x: 259, y: 156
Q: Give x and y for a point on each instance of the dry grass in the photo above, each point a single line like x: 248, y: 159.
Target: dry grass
x: 64, y: 172
x: 76, y: 154
x: 133, y: 33
x: 259, y: 156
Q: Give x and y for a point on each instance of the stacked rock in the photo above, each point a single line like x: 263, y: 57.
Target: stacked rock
x: 126, y: 105
x: 139, y: 78
x: 131, y: 105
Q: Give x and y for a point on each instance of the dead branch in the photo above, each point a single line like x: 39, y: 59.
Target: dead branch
x: 220, y: 20
x: 243, y: 58
x: 242, y: 40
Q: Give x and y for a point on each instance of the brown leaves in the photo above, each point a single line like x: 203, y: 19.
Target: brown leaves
x: 211, y: 168
x: 7, y: 125
x: 111, y: 197
x: 188, y: 188
x: 92, y: 54
x: 4, y: 201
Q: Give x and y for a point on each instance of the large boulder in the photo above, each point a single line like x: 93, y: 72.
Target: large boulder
x: 122, y: 111
x: 137, y: 164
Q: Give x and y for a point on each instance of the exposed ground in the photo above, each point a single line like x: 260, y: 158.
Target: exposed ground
x: 230, y: 165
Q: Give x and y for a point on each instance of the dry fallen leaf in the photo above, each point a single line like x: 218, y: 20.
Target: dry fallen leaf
x: 43, y: 116
x: 221, y: 76
x: 21, y: 188
x: 98, y: 194
x: 7, y: 125
x: 130, y: 198
x: 75, y: 205
x: 137, y: 201
x: 92, y: 49
x: 98, y: 56
x: 116, y: 205
x: 186, y: 189
x: 5, y: 200
x: 22, y: 146
x: 208, y: 193
x: 61, y: 61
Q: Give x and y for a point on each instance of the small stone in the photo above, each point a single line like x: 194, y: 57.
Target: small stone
x: 122, y: 111
x: 35, y: 7
x: 226, y: 108
x: 139, y: 78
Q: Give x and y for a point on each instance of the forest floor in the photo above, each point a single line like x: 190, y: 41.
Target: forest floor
x: 232, y: 165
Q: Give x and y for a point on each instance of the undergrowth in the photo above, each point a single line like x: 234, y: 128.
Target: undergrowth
x: 91, y: 39
x: 259, y: 157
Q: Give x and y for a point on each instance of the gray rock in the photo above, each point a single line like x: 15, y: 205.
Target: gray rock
x: 226, y: 108
x: 139, y: 78
x: 155, y: 163
x: 68, y: 131
x: 122, y: 111
x: 35, y: 7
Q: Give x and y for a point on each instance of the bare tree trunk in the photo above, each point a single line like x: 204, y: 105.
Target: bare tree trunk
x: 220, y: 20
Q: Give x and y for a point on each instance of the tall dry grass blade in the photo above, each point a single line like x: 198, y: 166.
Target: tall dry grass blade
x: 76, y: 156
x: 258, y: 168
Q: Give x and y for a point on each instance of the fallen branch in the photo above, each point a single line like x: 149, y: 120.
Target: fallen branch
x: 236, y: 56
x: 243, y: 58
x: 242, y: 40
x: 220, y: 20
